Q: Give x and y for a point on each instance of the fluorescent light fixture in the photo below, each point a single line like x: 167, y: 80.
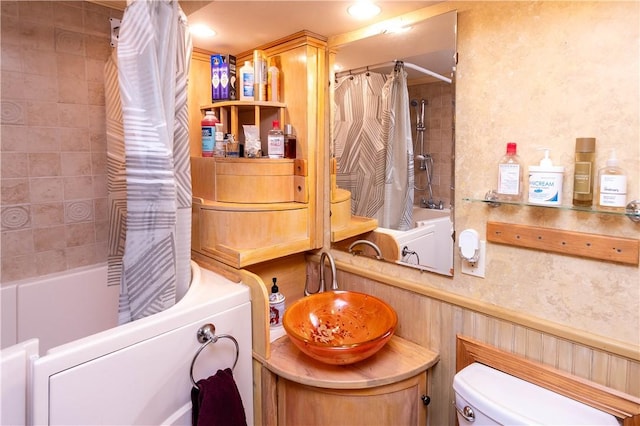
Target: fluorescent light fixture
x: 201, y: 30
x: 363, y: 9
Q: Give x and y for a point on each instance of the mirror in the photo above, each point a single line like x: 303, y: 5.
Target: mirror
x: 427, y: 50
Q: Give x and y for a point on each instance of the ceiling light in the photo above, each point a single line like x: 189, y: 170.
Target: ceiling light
x: 201, y: 30
x: 363, y: 9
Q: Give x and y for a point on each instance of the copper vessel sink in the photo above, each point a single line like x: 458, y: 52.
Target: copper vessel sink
x: 340, y: 327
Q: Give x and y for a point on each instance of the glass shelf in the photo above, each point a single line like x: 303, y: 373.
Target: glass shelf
x: 632, y: 210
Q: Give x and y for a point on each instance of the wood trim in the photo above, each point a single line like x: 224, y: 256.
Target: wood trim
x: 368, y: 268
x: 593, y: 246
x: 623, y: 406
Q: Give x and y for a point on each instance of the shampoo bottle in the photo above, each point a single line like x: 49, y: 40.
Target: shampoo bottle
x: 246, y: 82
x: 545, y: 182
x: 273, y: 81
x: 276, y: 305
x: 612, y: 186
x: 208, y: 128
x: 584, y: 170
x: 510, y: 175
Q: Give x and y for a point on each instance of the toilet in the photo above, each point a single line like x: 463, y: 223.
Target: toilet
x: 486, y: 396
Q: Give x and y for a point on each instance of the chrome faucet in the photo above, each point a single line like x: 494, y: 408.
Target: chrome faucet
x: 334, y: 282
x: 366, y: 243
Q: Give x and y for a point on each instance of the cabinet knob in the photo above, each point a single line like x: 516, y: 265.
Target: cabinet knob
x: 426, y: 399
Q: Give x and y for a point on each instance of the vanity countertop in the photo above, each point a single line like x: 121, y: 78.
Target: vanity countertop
x: 399, y: 359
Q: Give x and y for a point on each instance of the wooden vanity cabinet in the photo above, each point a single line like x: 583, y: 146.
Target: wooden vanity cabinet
x: 395, y: 404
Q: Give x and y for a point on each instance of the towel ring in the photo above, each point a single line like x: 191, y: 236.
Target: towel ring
x: 207, y: 334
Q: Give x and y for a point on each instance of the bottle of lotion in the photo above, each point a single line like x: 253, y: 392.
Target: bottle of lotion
x: 545, y: 182
x: 612, y: 185
x: 246, y: 82
x: 276, y: 306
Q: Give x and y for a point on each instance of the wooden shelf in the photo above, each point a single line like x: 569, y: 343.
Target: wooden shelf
x: 357, y: 225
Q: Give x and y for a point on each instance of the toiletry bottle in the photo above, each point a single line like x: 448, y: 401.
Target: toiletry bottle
x: 219, y: 148
x: 246, y: 82
x: 545, y: 182
x: 276, y: 305
x: 612, y: 186
x: 273, y: 82
x: 289, y: 142
x: 275, y: 141
x: 260, y: 75
x: 510, y: 175
x: 208, y: 125
x: 584, y: 170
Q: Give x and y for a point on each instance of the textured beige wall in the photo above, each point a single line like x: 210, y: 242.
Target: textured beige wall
x: 542, y: 74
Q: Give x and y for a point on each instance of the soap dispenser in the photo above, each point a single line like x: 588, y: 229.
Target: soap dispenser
x: 545, y: 182
x: 612, y: 185
x: 276, y: 305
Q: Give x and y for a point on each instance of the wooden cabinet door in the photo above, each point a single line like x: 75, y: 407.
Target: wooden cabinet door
x: 395, y: 404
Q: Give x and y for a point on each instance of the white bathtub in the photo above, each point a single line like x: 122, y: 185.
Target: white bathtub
x: 429, y: 245
x: 137, y: 373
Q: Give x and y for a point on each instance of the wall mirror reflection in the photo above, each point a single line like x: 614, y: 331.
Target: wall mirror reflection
x: 392, y: 143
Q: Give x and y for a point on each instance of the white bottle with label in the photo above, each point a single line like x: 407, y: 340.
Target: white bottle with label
x: 275, y: 141
x: 246, y: 82
x: 545, y: 182
x: 276, y: 305
x: 612, y: 186
x: 510, y: 175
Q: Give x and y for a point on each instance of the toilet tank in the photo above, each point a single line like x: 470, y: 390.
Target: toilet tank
x: 497, y: 398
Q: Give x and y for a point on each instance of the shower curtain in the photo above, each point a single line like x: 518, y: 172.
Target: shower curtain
x: 372, y: 145
x: 148, y: 159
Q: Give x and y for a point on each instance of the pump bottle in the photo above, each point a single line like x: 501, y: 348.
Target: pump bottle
x: 276, y: 305
x: 510, y: 175
x: 545, y: 182
x: 612, y: 186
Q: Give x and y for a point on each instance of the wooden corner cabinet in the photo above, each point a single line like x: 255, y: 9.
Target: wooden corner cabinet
x: 251, y: 210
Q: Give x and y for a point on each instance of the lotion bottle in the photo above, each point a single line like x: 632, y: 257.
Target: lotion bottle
x: 612, y: 186
x: 246, y: 82
x: 276, y: 305
x: 510, y: 175
x: 545, y: 182
x: 584, y: 171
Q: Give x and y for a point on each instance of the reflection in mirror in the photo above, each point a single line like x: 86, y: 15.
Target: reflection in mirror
x: 392, y: 141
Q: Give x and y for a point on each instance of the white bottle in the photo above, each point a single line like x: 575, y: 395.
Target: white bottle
x: 276, y: 306
x: 273, y: 84
x: 510, y: 175
x: 275, y: 141
x: 246, y: 82
x: 545, y: 182
x: 612, y: 186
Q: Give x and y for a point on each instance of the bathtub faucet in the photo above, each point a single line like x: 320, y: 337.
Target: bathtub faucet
x: 366, y: 243
x: 430, y: 204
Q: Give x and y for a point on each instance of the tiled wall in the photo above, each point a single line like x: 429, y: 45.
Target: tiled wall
x: 438, y: 140
x: 54, y: 187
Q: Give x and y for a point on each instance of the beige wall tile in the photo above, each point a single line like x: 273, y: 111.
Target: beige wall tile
x: 41, y: 113
x: 15, y: 191
x: 39, y: 62
x: 68, y: 16
x: 81, y: 256
x: 51, y: 238
x: 101, y: 209
x: 12, y: 85
x: 39, y: 88
x: 78, y: 211
x: 18, y: 267
x: 13, y: 112
x: 72, y: 115
x: 40, y: 139
x: 15, y: 217
x: 79, y: 234
x: 15, y: 165
x: 44, y: 164
x: 70, y: 66
x: 75, y: 163
x: 36, y: 11
x: 17, y: 243
x: 10, y: 56
x: 37, y: 35
x: 45, y: 215
x: 72, y: 91
x: 46, y: 189
x: 74, y: 139
x: 78, y: 187
x: 48, y: 262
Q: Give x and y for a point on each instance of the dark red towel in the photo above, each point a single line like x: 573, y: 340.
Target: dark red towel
x: 216, y: 401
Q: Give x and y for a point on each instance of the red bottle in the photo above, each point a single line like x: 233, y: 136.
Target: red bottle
x: 208, y: 125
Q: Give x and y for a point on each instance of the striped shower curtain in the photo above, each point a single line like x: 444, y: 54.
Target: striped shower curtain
x: 372, y: 145
x: 148, y: 159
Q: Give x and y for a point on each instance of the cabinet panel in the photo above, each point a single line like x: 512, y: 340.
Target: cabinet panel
x: 395, y: 404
